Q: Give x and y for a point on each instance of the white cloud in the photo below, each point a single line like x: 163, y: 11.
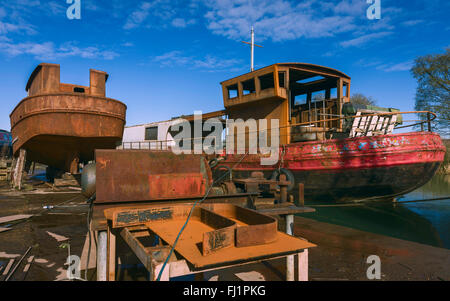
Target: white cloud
x: 182, y: 23
x: 89, y: 5
x: 2, y: 12
x: 404, y: 66
x: 138, y: 16
x: 281, y: 20
x: 208, y: 63
x: 179, y: 22
x: 48, y: 50
x: 56, y: 8
x: 412, y: 22
x: 6, y: 28
x: 161, y: 14
x: 359, y: 41
x: 127, y: 44
x: 350, y: 7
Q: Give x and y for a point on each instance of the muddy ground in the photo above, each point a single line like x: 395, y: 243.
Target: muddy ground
x: 341, y: 253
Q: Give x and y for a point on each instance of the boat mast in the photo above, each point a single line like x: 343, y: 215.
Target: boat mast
x: 252, y: 53
x: 253, y: 49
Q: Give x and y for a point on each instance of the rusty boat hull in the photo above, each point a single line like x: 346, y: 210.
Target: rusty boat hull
x: 354, y: 169
x: 61, y: 125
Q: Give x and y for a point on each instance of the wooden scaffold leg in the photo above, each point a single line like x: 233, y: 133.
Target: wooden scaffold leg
x: 18, y: 170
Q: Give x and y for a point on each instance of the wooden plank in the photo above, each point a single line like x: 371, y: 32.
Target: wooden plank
x: 92, y: 255
x: 4, y: 229
x: 179, y: 268
x: 286, y: 210
x: 11, y: 218
x: 379, y: 128
x: 363, y: 126
x: 386, y: 125
x: 355, y: 125
x: 111, y: 257
x: 392, y: 122
x: 373, y: 124
x: 137, y: 248
x: 303, y: 265
x: 58, y: 237
x: 8, y: 267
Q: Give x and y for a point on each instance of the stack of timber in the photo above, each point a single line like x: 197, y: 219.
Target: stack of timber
x: 5, y: 170
x: 66, y: 179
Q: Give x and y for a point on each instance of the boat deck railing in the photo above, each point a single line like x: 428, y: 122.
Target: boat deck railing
x: 429, y: 117
x: 151, y: 145
x: 421, y: 123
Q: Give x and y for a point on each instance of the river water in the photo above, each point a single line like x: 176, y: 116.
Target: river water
x: 423, y: 222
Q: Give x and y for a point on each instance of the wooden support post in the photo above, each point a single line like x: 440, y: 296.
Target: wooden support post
x: 18, y: 170
x: 283, y: 190
x: 33, y: 167
x: 290, y: 259
x: 111, y: 255
x: 101, y: 255
x: 303, y: 265
x: 73, y: 161
x: 301, y: 195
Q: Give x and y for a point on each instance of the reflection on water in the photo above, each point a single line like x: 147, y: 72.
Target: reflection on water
x: 425, y: 222
x: 437, y: 212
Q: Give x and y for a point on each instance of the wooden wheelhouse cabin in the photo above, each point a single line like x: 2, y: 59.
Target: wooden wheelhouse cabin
x: 293, y: 93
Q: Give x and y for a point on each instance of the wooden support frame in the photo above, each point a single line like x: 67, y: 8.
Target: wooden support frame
x: 153, y: 259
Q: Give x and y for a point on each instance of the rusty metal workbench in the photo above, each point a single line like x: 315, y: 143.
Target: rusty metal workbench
x: 188, y: 257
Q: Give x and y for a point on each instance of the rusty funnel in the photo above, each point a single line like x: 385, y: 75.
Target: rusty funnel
x: 61, y: 125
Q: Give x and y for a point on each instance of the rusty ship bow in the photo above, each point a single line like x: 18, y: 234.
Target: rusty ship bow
x: 61, y: 125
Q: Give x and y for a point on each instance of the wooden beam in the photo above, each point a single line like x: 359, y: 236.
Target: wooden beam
x: 251, y: 43
x: 322, y: 84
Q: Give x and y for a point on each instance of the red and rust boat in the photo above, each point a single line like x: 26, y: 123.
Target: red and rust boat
x: 338, y: 150
x: 360, y: 168
x: 61, y: 125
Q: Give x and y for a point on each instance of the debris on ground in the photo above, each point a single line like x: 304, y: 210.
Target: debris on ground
x: 12, y: 218
x: 58, y: 237
x: 4, y: 229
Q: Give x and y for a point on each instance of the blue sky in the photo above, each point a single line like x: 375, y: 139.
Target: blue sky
x: 166, y: 58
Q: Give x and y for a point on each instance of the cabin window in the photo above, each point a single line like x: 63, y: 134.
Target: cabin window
x: 318, y: 96
x: 266, y: 81
x: 232, y: 91
x: 333, y: 93
x: 345, y: 90
x: 78, y: 90
x: 301, y: 99
x: 151, y: 133
x: 282, y: 79
x: 248, y: 86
